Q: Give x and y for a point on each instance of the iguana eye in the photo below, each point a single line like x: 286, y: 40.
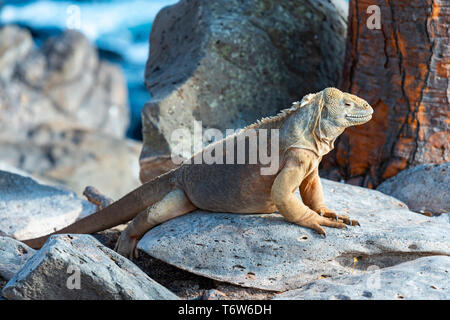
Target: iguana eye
x: 348, y: 104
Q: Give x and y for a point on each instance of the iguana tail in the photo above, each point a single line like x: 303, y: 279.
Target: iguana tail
x: 119, y: 212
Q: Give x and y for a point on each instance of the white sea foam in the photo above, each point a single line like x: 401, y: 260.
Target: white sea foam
x: 108, y: 24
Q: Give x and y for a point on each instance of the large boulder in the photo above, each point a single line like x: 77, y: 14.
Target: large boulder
x: 29, y: 209
x: 76, y: 158
x: 13, y: 255
x: 424, y: 188
x: 63, y: 82
x: 15, y: 45
x: 400, y: 67
x: 265, y: 251
x: 63, y: 113
x: 228, y: 63
x: 422, y: 279
x: 79, y: 267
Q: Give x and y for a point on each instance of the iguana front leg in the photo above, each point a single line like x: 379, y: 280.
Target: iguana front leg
x: 289, y: 206
x: 312, y: 195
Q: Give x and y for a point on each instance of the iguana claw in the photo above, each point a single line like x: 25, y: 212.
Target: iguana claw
x: 327, y: 213
x: 355, y: 223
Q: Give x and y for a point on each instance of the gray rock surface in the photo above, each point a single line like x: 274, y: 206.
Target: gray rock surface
x: 103, y: 274
x: 77, y: 158
x: 64, y: 113
x: 13, y: 255
x: 15, y: 44
x: 29, y: 209
x: 228, y: 63
x: 444, y: 217
x: 265, y: 251
x: 62, y: 82
x: 425, y: 278
x: 424, y: 188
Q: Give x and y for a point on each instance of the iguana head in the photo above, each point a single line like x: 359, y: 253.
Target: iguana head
x: 343, y: 109
x: 320, y: 118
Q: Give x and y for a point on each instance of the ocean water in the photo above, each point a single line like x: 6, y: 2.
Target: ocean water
x: 119, y: 28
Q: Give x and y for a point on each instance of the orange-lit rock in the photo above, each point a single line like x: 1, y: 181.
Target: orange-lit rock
x: 402, y: 70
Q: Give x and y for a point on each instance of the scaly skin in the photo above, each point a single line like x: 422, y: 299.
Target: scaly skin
x: 307, y: 131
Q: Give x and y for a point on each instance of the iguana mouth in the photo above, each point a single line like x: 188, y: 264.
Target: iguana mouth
x: 359, y: 116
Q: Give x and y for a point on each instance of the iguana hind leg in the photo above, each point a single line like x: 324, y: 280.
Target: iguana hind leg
x: 174, y: 204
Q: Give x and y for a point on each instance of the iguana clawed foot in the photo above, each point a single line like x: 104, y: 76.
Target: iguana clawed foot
x: 126, y: 246
x: 320, y: 221
x: 327, y: 213
x: 94, y: 196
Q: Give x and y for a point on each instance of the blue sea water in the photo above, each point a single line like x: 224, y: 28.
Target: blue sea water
x: 119, y: 28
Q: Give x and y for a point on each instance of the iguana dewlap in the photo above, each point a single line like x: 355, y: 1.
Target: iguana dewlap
x: 307, y: 131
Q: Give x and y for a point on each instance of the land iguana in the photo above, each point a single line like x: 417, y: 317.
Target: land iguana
x: 307, y: 131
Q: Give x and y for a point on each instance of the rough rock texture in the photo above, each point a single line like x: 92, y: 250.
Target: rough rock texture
x: 13, y: 255
x: 402, y: 71
x: 424, y: 188
x: 444, y: 218
x: 62, y: 82
x: 422, y: 279
x: 265, y: 251
x: 76, y: 158
x: 228, y: 63
x: 29, y: 209
x: 50, y: 98
x: 103, y: 273
x: 15, y: 44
